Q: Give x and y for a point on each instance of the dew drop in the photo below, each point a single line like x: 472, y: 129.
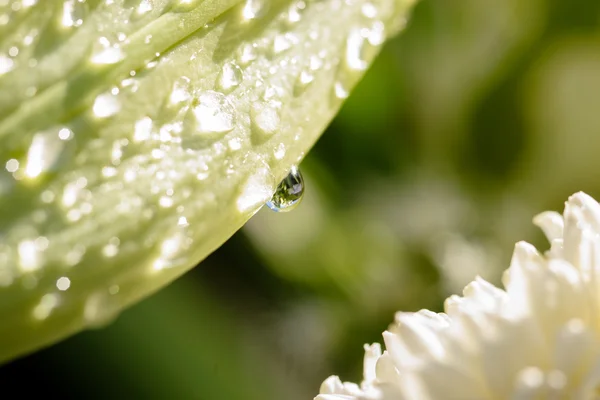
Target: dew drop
x: 279, y: 151
x: 265, y: 119
x: 257, y: 190
x: 30, y: 258
x: 214, y: 114
x: 63, y: 283
x: 43, y: 152
x: 44, y: 308
x: 73, y: 13
x: 302, y: 82
x: 105, y: 105
x: 142, y: 129
x: 253, y: 9
x: 315, y: 63
x: 181, y: 91
x: 355, y: 57
x: 289, y: 193
x: 6, y: 64
x: 369, y: 10
x: 295, y: 11
x: 144, y: 7
x: 230, y: 77
x: 340, y: 90
x: 100, y: 309
x: 106, y: 53
x: 281, y: 43
x: 248, y: 54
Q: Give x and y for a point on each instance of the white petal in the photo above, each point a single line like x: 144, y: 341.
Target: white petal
x: 551, y: 223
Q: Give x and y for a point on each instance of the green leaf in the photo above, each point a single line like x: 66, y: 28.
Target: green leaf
x: 139, y: 135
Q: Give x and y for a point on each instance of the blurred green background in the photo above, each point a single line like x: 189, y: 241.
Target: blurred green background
x: 482, y: 114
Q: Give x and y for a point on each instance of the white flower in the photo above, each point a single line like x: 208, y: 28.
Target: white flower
x: 538, y: 339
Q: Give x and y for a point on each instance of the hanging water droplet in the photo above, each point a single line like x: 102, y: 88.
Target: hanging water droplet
x: 289, y: 193
x: 230, y: 77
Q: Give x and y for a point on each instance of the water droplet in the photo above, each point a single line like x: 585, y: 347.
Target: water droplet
x: 230, y: 77
x: 44, y: 308
x: 100, y: 309
x: 302, y: 82
x: 43, y: 153
x: 144, y: 7
x: 105, y: 105
x: 281, y: 43
x: 315, y: 62
x: 340, y: 90
x: 279, y: 151
x: 6, y: 64
x: 355, y: 57
x: 181, y: 91
x: 248, y: 53
x: 12, y: 165
x: 265, y: 119
x: 106, y: 53
x: 295, y: 11
x: 369, y: 10
x: 73, y: 13
x: 289, y: 192
x: 63, y: 283
x: 29, y: 256
x: 253, y: 9
x: 214, y: 114
x: 257, y: 190
x: 376, y: 34
x: 142, y: 129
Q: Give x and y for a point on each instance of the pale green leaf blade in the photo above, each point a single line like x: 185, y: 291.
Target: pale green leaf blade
x: 137, y: 136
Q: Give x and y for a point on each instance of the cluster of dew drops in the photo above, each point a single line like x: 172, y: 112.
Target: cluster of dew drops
x: 211, y: 114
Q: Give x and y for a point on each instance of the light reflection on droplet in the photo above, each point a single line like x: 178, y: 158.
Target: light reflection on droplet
x: 100, y: 309
x: 230, y: 77
x: 257, y: 190
x: 45, y: 307
x: 106, y: 53
x: 43, y: 153
x: 29, y: 256
x: 279, y: 151
x: 6, y: 64
x: 144, y: 7
x: 265, y: 119
x: 12, y: 165
x: 105, y: 105
x: 354, y: 51
x: 63, y: 283
x: 214, y: 114
x: 181, y: 91
x: 142, y: 129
